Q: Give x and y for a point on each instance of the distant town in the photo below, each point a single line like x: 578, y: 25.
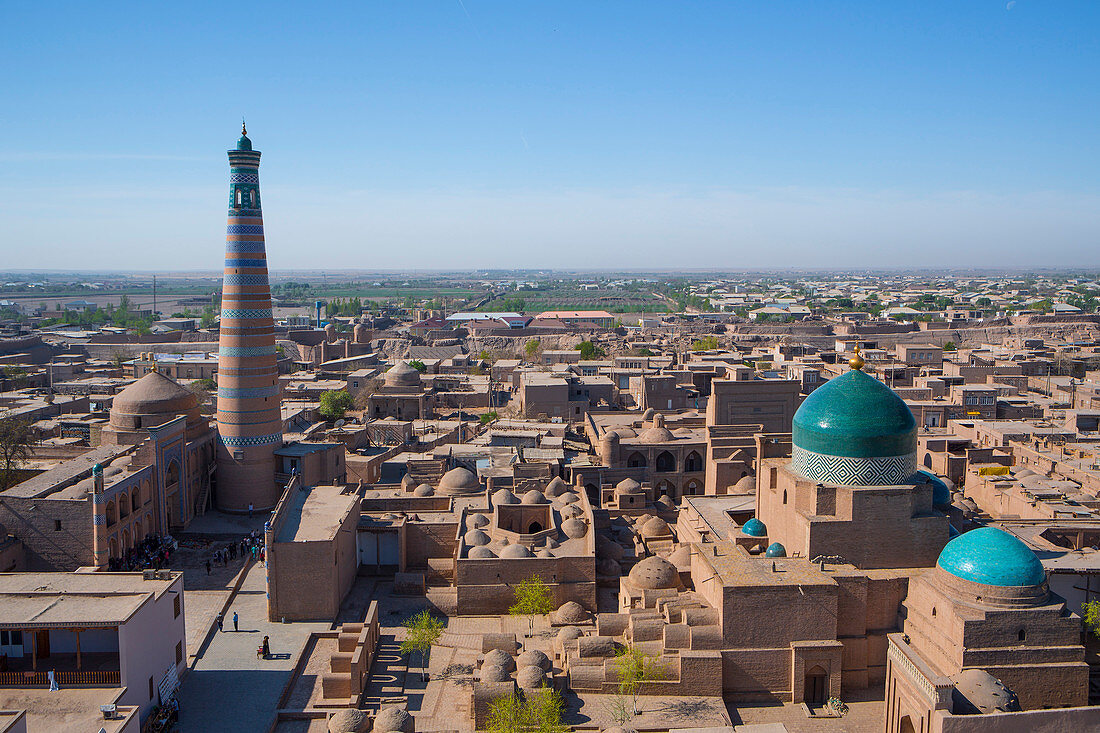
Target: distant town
x: 542, y: 501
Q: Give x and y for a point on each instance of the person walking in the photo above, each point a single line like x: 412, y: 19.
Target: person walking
x: 208, y: 566
x: 221, y: 620
x: 235, y: 626
x: 250, y: 510
x: 265, y: 647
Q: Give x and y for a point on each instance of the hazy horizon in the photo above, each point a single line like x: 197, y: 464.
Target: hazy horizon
x: 619, y: 136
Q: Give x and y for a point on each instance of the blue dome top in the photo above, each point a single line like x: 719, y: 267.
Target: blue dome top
x: 775, y: 550
x: 855, y: 415
x: 754, y: 528
x: 941, y: 494
x: 991, y: 556
x: 243, y: 143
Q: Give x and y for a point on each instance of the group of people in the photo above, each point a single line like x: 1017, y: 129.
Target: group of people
x: 250, y: 546
x: 153, y: 552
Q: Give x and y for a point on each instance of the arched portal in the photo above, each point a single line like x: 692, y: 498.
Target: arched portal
x: 817, y: 686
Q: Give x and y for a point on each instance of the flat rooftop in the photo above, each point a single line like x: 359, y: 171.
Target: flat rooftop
x: 65, y: 473
x: 314, y: 514
x: 68, y: 710
x: 75, y: 599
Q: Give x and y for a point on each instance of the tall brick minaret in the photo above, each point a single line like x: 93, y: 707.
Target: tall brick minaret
x: 249, y: 419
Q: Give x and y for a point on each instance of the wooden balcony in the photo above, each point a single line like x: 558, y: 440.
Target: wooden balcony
x: 91, y: 677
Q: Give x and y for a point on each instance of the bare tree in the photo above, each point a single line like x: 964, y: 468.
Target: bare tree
x: 16, y: 441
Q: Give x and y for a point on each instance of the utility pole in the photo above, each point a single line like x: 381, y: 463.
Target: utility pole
x: 154, y: 296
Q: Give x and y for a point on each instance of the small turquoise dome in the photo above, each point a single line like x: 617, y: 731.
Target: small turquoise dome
x: 243, y: 143
x: 855, y: 415
x: 97, y: 468
x: 775, y: 550
x: 991, y: 556
x: 754, y: 528
x: 941, y: 493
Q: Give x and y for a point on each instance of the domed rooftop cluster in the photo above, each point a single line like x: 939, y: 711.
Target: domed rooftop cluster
x: 991, y: 556
x: 854, y: 431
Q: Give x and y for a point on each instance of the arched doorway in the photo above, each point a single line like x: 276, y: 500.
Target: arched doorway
x: 666, y: 462
x: 817, y: 686
x: 906, y: 725
x: 693, y: 462
x: 636, y: 460
x: 593, y: 493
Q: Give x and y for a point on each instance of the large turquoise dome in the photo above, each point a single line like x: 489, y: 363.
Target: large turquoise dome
x: 855, y: 431
x: 991, y: 556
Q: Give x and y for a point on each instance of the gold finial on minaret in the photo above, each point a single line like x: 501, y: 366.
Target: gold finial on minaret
x: 244, y: 130
x: 856, y: 362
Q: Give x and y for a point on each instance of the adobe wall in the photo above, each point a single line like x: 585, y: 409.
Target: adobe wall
x: 308, y: 580
x: 487, y: 587
x: 423, y: 541
x: 1029, y: 721
x: 46, y: 548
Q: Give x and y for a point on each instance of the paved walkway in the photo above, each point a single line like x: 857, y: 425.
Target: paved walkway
x: 230, y: 688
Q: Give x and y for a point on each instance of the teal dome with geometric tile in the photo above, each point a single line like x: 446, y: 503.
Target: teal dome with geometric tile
x: 854, y: 431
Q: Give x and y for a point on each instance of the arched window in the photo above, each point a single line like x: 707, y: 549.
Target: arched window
x: 691, y: 488
x: 135, y: 498
x: 1020, y: 635
x: 238, y: 197
x: 693, y: 462
x: 172, y: 475
x: 252, y: 198
x: 636, y: 460
x: 112, y: 513
x: 784, y: 496
x: 933, y: 612
x: 666, y: 462
x: 123, y: 505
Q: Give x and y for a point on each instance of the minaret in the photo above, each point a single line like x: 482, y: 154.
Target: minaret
x: 249, y: 419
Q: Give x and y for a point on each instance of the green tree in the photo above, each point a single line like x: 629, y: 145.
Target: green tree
x: 1091, y: 614
x: 16, y: 441
x: 422, y: 631
x: 589, y: 351
x: 532, y: 599
x: 949, y: 346
x: 418, y: 365
x: 707, y: 343
x: 532, y: 348
x: 207, y: 316
x: 488, y: 417
x: 335, y: 403
x: 537, y: 711
x: 507, y: 714
x: 633, y: 667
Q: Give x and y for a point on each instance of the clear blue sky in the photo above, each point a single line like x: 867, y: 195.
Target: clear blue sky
x: 608, y: 134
